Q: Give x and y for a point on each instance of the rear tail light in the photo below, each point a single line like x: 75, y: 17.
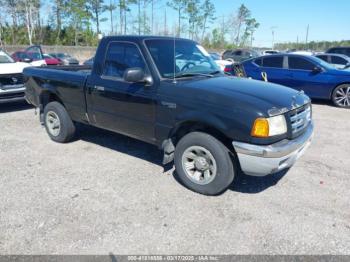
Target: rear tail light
x: 228, y: 69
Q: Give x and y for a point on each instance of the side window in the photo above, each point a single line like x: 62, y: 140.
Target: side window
x: 323, y: 57
x: 275, y: 62
x: 258, y: 61
x: 237, y: 53
x: 121, y: 56
x: 299, y: 63
x: 338, y: 60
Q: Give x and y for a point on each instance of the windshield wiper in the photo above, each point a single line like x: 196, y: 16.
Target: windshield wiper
x: 188, y: 74
x: 215, y: 72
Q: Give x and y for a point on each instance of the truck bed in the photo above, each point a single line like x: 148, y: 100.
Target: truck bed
x: 67, y: 82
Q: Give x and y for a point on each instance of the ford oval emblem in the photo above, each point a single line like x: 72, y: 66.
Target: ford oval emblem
x: 14, y: 80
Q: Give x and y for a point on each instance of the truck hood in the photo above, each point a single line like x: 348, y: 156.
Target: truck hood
x: 12, y: 68
x: 244, y: 93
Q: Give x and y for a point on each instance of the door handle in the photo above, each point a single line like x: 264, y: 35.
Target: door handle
x: 99, y: 88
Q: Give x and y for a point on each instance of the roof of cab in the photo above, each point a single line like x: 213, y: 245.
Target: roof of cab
x: 141, y: 38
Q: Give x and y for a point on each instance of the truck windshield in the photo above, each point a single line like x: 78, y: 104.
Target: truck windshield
x: 188, y: 59
x: 5, y: 58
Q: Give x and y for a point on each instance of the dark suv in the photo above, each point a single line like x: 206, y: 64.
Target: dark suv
x: 343, y: 50
x: 239, y: 55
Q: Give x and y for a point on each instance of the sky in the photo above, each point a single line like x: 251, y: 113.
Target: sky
x: 327, y: 20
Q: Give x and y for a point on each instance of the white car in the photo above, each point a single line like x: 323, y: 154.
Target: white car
x: 11, y: 78
x: 301, y: 52
x: 270, y: 52
x: 221, y: 63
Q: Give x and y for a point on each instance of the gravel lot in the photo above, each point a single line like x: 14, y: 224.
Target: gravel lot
x: 108, y: 193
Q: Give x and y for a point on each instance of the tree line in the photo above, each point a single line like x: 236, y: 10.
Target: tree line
x: 313, y: 45
x: 78, y: 22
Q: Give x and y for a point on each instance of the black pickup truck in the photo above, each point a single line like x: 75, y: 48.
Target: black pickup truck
x: 170, y: 93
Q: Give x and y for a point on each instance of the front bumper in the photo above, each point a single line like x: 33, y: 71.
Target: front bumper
x: 13, y: 94
x: 258, y: 160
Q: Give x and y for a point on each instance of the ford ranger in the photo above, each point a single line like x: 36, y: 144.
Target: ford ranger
x: 170, y: 93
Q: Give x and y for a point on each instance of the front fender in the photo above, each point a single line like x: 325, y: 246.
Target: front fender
x: 202, y: 118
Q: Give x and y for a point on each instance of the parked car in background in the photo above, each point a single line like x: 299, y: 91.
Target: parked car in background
x: 51, y: 60
x: 11, y: 78
x: 65, y: 58
x: 235, y: 69
x: 239, y: 55
x: 219, y: 61
x: 32, y: 55
x: 315, y: 77
x: 270, y: 52
x: 89, y: 62
x: 342, y: 50
x: 337, y: 60
x: 21, y: 56
x: 211, y: 125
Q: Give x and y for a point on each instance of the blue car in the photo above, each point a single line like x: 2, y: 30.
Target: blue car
x: 315, y: 77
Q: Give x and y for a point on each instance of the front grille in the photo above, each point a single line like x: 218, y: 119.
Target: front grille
x: 300, y: 118
x: 10, y: 80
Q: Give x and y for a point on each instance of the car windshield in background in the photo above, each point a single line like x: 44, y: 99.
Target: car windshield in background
x: 190, y: 58
x: 5, y: 58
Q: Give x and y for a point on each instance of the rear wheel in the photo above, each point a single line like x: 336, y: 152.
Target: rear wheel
x: 58, y: 123
x: 203, y: 164
x: 341, y: 96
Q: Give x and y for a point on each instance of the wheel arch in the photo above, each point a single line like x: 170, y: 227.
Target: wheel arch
x: 199, y: 125
x: 337, y: 85
x: 48, y: 96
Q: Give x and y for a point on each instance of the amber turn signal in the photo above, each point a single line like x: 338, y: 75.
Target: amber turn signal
x: 260, y: 128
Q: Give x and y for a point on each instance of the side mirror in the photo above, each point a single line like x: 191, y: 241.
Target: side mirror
x: 134, y: 75
x: 317, y: 70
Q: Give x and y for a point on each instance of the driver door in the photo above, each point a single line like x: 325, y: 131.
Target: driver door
x: 36, y: 54
x: 120, y: 106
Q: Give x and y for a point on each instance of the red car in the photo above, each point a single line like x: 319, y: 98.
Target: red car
x: 34, y: 53
x: 51, y: 60
x: 21, y: 56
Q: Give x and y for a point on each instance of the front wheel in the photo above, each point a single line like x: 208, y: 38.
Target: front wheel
x: 341, y: 96
x: 58, y: 123
x: 203, y: 164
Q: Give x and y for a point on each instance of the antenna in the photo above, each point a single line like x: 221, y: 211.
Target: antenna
x: 174, y: 79
x: 273, y: 28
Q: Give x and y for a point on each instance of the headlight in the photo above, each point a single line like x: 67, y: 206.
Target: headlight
x: 267, y: 127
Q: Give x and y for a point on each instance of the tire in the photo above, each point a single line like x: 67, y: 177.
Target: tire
x: 341, y: 96
x: 58, y: 123
x: 208, y: 147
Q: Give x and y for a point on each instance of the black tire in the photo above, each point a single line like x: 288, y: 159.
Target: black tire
x: 66, y: 130
x: 225, y: 166
x: 343, y: 103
